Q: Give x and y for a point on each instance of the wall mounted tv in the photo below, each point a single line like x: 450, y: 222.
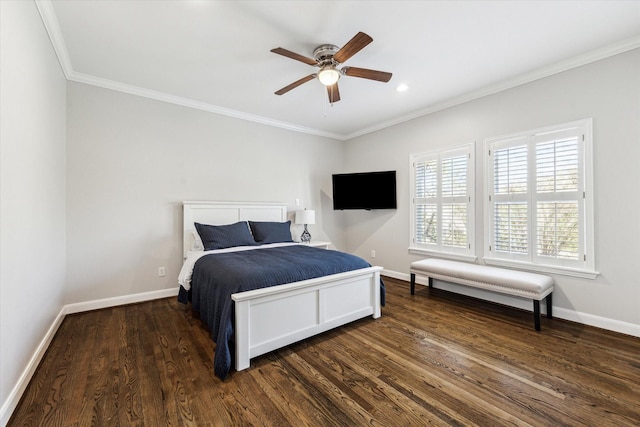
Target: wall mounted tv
x: 364, y: 190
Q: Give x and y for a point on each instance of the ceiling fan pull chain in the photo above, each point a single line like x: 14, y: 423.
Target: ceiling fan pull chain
x: 324, y: 103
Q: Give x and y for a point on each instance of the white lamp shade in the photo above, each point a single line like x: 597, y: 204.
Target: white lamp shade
x: 306, y: 216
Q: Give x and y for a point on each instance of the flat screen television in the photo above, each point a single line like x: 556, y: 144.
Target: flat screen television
x: 364, y: 190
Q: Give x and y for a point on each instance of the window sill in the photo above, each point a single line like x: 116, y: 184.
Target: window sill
x: 445, y: 255
x: 552, y: 269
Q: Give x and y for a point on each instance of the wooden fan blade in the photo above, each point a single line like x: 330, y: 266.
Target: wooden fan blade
x: 334, y: 93
x: 293, y: 55
x: 352, y: 47
x: 295, y: 84
x: 364, y: 73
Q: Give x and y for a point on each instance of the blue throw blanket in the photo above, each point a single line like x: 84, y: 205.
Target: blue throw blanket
x: 217, y: 276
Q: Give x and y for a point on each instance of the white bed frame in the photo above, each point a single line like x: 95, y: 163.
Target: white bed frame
x: 271, y: 318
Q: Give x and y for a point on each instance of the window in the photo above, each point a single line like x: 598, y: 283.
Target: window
x: 539, y: 207
x: 442, y: 214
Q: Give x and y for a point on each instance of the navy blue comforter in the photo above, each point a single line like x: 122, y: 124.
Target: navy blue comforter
x: 217, y: 276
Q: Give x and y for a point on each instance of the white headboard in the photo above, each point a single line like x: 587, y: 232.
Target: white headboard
x: 222, y: 213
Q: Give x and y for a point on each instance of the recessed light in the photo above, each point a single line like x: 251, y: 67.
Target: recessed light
x: 402, y: 87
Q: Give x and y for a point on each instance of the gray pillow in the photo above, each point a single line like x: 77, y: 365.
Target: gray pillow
x: 225, y: 236
x: 271, y: 232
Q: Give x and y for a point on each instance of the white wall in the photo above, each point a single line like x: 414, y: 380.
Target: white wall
x: 131, y: 162
x: 32, y: 192
x: 609, y: 92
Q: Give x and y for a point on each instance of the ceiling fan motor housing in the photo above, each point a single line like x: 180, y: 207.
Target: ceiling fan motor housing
x: 324, y: 54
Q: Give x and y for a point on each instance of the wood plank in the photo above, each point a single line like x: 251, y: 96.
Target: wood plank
x: 434, y: 358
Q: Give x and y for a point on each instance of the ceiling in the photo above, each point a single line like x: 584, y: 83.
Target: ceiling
x: 215, y: 55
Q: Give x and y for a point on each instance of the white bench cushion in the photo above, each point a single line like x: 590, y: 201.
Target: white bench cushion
x: 520, y: 283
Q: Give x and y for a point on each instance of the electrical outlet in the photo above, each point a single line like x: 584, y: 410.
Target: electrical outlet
x: 373, y: 253
x: 161, y: 272
x: 297, y: 202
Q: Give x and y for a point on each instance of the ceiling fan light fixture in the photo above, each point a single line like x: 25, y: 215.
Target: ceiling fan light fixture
x: 328, y: 75
x: 328, y: 58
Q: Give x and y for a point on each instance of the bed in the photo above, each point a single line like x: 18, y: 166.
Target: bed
x: 248, y: 317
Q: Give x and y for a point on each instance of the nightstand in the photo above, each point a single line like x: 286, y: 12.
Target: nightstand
x: 318, y: 244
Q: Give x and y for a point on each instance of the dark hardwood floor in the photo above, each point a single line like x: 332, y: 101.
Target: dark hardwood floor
x: 435, y: 358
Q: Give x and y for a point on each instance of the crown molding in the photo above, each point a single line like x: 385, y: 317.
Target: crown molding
x: 47, y: 13
x: 191, y: 103
x: 50, y: 21
x: 566, y: 65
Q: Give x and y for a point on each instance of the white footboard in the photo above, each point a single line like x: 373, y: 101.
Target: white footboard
x: 271, y: 318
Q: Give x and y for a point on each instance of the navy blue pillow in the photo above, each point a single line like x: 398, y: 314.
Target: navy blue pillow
x: 271, y: 232
x: 225, y: 236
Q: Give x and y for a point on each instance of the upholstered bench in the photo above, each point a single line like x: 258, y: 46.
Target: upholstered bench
x: 511, y: 282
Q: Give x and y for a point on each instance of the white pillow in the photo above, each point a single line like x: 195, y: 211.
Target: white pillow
x: 196, y: 242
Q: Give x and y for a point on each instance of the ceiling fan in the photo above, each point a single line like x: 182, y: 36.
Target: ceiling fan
x: 329, y: 57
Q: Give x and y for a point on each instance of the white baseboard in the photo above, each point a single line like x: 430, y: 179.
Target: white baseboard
x: 396, y: 275
x: 597, y: 321
x: 14, y: 397
x: 559, y: 312
x: 116, y: 301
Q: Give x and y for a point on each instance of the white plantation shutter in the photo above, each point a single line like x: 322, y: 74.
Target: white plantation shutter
x: 510, y: 169
x: 426, y: 210
x: 454, y: 200
x: 427, y: 224
x: 454, y: 175
x: 511, y: 228
x: 426, y: 178
x: 454, y: 225
x: 557, y: 168
x: 442, y: 184
x: 557, y: 230
x: 558, y: 195
x: 510, y: 208
x: 536, y: 204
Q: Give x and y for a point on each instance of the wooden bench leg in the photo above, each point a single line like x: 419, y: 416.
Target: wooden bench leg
x: 536, y: 314
x: 549, y: 310
x: 413, y: 283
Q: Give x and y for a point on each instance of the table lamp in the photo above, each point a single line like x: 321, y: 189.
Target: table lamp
x: 305, y: 217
